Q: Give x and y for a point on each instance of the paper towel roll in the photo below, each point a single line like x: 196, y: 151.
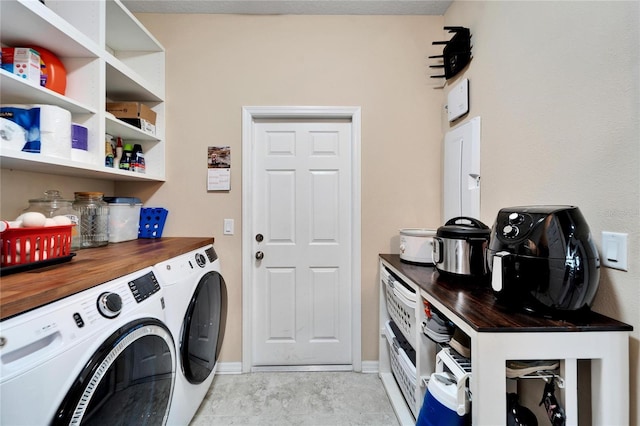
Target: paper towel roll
x: 12, y: 135
x: 47, y: 128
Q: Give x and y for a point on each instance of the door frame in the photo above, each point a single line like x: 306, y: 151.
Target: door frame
x: 249, y: 115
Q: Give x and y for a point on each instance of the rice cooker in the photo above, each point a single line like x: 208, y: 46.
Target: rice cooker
x: 460, y: 248
x: 543, y: 260
x: 416, y: 245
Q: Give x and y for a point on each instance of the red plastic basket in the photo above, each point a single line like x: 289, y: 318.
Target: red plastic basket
x: 21, y: 246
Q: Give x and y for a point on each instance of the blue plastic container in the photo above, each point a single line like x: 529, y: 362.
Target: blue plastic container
x: 439, y: 405
x: 152, y: 222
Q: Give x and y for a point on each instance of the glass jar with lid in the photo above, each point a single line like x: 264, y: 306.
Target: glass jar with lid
x: 93, y: 214
x: 53, y: 204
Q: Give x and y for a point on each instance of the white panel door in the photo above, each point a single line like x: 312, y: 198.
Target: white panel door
x: 302, y: 210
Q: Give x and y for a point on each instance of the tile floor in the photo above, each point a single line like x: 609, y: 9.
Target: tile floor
x: 296, y: 398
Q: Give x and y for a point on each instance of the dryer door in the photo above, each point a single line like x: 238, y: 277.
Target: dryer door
x: 203, y: 328
x: 128, y: 381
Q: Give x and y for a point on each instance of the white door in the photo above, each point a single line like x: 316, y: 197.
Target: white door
x: 302, y: 211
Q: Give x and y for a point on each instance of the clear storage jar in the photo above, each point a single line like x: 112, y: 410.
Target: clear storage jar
x: 93, y: 214
x: 53, y: 204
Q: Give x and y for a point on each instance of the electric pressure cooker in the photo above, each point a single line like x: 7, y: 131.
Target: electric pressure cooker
x: 460, y: 248
x: 543, y: 260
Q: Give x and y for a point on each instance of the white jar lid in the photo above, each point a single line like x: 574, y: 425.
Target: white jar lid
x: 418, y: 232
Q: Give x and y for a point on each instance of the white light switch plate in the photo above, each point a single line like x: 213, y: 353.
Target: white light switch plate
x: 228, y: 227
x: 614, y: 250
x: 458, y: 100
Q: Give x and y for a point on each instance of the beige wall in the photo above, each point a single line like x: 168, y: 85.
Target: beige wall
x: 557, y: 86
x: 217, y: 64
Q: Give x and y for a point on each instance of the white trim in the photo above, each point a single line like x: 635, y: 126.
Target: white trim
x: 370, y: 367
x: 249, y: 114
x: 229, y: 368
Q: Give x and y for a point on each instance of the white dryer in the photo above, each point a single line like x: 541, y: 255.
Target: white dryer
x: 101, y: 356
x: 196, y: 297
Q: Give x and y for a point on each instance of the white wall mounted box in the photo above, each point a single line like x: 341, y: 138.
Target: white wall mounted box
x: 461, y: 179
x: 458, y: 100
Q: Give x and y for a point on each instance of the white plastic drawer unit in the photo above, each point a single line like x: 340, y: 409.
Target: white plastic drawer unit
x: 401, y: 304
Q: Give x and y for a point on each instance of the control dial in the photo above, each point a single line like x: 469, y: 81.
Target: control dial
x: 515, y: 218
x: 510, y: 231
x: 109, y: 304
x: 201, y: 260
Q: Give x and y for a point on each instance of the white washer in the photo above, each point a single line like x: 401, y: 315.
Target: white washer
x: 196, y: 297
x: 103, y: 355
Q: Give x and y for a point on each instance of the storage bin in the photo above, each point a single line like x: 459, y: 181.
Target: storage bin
x: 124, y: 218
x: 403, y: 369
x: 152, y: 222
x: 441, y: 406
x: 21, y: 246
x: 401, y: 304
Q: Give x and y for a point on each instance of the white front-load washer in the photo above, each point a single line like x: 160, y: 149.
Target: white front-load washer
x: 101, y: 356
x: 196, y: 297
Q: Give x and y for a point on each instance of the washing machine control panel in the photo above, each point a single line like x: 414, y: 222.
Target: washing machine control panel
x: 144, y: 286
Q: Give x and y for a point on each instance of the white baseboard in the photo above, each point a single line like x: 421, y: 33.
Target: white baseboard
x: 368, y: 367
x: 229, y: 368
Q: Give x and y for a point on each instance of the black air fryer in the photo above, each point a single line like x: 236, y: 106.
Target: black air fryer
x: 543, y: 260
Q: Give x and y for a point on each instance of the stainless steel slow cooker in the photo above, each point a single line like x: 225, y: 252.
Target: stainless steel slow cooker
x: 416, y: 245
x: 460, y: 248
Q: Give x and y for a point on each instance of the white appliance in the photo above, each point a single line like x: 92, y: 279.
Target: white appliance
x: 416, y: 245
x: 103, y: 355
x: 196, y: 298
x: 461, y: 179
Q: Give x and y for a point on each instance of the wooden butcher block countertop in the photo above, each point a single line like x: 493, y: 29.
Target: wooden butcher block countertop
x: 23, y: 291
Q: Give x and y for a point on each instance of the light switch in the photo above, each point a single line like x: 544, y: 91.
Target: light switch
x: 614, y: 250
x: 228, y: 227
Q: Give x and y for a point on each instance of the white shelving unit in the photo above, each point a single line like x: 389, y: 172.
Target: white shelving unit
x: 498, y: 336
x: 108, y: 56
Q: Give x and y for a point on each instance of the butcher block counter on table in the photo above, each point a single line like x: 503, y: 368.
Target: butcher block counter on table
x: 21, y: 292
x: 498, y: 335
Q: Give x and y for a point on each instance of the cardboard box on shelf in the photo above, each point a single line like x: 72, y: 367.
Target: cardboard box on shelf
x: 141, y: 124
x: 132, y: 110
x: 23, y: 62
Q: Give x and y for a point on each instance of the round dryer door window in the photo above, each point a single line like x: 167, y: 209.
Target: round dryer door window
x: 128, y: 381
x: 203, y: 328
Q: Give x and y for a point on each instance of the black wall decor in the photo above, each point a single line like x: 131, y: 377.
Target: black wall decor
x: 456, y: 53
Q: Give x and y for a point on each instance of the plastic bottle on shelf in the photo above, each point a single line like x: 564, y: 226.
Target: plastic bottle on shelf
x: 138, y: 159
x: 127, y: 155
x: 119, y: 152
x: 108, y: 149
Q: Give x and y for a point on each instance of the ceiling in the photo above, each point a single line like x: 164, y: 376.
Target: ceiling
x: 292, y: 7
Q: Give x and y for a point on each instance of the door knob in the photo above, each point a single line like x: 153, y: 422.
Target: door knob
x: 259, y: 255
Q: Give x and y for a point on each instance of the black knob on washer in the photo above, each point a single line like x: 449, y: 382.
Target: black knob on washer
x: 109, y: 304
